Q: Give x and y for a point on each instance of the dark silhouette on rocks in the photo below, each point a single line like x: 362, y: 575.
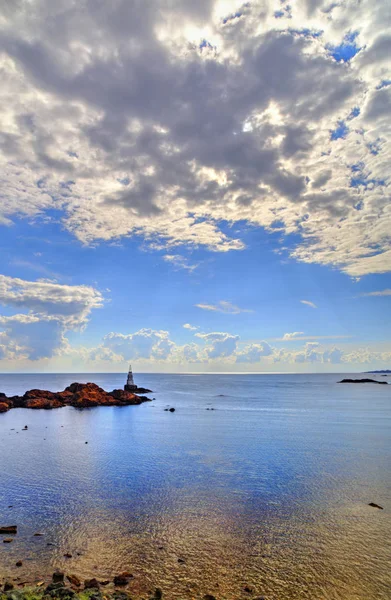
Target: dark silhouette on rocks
x: 363, y: 381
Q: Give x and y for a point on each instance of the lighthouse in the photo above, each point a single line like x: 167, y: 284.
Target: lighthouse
x: 130, y: 385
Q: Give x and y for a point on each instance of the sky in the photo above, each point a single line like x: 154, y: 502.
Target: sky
x: 195, y: 186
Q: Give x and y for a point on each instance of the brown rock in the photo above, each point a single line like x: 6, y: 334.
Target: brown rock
x: 43, y: 403
x: 19, y: 563
x: 122, y: 579
x: 79, y: 395
x: 91, y: 584
x: 8, y: 540
x: 8, y: 586
x: 11, y: 529
x: 74, y: 580
x: 68, y: 555
x: 58, y: 577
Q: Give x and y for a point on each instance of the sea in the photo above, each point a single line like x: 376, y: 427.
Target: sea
x: 265, y: 496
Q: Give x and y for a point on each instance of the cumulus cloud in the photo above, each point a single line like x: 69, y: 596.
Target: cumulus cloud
x: 224, y: 307
x: 168, y: 121
x: 70, y: 303
x: 254, y: 352
x: 144, y: 344
x: 52, y: 308
x: 219, y: 345
x: 190, y: 327
x: 219, y: 348
x: 190, y: 353
x: 31, y: 337
x: 308, y: 303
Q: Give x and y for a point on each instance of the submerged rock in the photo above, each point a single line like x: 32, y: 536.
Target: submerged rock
x: 8, y: 586
x: 120, y: 596
x: 10, y: 529
x: 54, y: 586
x: 58, y: 577
x: 90, y: 584
x: 73, y: 580
x: 122, y: 579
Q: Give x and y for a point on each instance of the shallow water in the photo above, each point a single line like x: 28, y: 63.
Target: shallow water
x: 270, y: 490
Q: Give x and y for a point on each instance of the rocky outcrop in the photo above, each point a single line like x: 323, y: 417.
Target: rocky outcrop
x: 79, y: 395
x: 363, y: 381
x: 8, y: 529
x: 141, y: 390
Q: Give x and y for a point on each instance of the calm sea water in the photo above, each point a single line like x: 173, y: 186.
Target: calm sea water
x: 270, y: 490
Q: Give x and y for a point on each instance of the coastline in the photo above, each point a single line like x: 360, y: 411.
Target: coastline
x: 69, y: 587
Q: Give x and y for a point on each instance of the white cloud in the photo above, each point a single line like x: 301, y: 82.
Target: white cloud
x: 190, y: 327
x: 379, y: 293
x: 31, y: 337
x: 180, y: 262
x: 53, y: 310
x: 292, y: 336
x: 308, y: 303
x: 219, y: 345
x: 144, y: 344
x: 253, y: 353
x: 224, y: 307
x: 144, y: 130
x: 71, y: 304
x: 190, y: 353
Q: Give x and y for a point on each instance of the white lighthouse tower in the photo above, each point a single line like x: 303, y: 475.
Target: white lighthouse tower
x: 130, y: 385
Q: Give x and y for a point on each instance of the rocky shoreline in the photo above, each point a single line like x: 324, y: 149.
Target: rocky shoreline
x: 78, y: 395
x: 69, y: 587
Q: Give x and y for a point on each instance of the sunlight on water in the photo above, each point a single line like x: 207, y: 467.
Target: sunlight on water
x: 269, y: 491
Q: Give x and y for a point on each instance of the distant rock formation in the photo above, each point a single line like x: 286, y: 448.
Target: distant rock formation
x: 363, y: 381
x: 79, y: 395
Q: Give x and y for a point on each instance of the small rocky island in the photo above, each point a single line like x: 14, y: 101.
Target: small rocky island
x: 363, y: 381
x: 79, y: 395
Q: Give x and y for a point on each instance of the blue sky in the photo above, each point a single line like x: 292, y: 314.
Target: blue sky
x: 217, y: 201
